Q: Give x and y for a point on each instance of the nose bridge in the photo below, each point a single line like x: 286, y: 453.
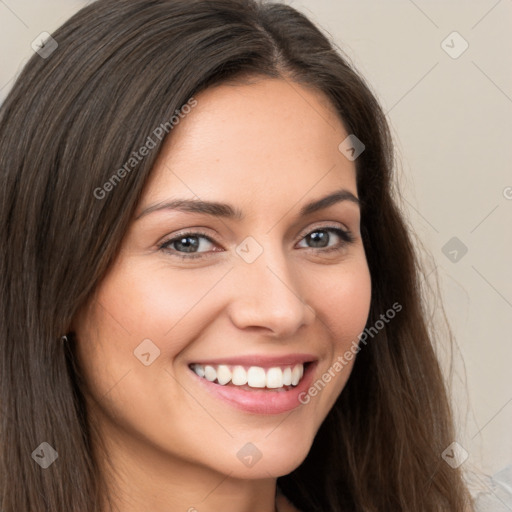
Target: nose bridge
x: 267, y: 294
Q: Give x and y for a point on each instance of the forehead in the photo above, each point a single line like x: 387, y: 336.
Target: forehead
x: 254, y: 141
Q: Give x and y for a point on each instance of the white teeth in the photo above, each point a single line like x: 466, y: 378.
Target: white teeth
x: 210, y: 373
x: 254, y: 377
x: 274, y: 378
x: 223, y: 374
x: 199, y: 370
x: 296, y: 374
x: 239, y: 377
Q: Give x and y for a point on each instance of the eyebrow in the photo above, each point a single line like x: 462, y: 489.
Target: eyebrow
x: 227, y: 211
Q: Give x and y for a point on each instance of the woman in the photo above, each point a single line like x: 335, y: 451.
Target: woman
x: 210, y: 298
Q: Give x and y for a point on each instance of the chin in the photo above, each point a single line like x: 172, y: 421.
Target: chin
x: 276, y: 455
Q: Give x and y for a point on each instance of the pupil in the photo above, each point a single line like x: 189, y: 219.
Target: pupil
x: 189, y: 247
x: 319, y: 236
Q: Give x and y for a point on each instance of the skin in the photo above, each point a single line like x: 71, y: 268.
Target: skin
x: 267, y: 148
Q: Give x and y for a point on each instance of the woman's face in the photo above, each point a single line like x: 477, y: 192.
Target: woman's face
x: 254, y: 296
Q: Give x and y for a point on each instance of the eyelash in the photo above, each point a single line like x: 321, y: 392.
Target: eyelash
x: 345, y: 235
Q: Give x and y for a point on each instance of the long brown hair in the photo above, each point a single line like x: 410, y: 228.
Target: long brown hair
x: 121, y: 69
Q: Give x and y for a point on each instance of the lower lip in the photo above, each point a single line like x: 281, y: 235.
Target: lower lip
x: 261, y: 401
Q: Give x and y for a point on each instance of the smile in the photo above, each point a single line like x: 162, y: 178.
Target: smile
x: 276, y: 377
x: 256, y: 384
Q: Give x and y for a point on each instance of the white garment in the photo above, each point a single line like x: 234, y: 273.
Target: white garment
x: 491, y: 493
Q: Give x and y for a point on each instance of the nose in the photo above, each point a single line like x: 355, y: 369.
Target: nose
x: 266, y: 295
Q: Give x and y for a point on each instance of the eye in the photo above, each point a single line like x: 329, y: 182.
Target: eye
x: 187, y: 245
x: 320, y: 238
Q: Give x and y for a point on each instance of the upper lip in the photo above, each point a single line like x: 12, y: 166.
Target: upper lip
x: 263, y: 361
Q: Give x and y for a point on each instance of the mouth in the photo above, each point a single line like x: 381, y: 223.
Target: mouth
x: 278, y: 378
x: 256, y: 385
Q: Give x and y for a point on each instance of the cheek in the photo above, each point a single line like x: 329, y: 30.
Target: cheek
x: 354, y: 299
x: 135, y: 303
x: 343, y: 302
x: 154, y: 301
x: 151, y: 300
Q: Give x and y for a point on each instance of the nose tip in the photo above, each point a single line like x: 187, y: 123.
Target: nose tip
x: 270, y: 300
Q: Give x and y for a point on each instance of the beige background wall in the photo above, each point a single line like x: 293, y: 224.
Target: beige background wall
x: 451, y: 118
